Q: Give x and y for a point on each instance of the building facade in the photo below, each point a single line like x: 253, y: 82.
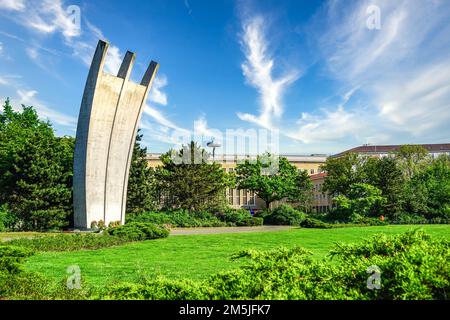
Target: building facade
x: 247, y: 199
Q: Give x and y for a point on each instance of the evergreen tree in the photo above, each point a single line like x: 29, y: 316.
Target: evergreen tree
x: 141, y: 181
x: 36, y: 170
x: 188, y: 180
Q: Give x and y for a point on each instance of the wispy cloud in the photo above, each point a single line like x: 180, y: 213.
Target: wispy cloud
x: 402, y: 70
x: 156, y: 94
x: 258, y: 70
x: 29, y: 97
x: 14, y: 5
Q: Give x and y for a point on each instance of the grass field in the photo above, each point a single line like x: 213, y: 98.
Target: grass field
x: 197, y: 256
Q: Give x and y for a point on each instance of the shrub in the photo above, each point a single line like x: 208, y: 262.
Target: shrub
x: 157, y: 289
x: 284, y: 215
x: 410, y: 219
x: 11, y: 258
x: 7, y: 219
x: 370, y: 221
x: 137, y: 231
x: 178, y: 218
x: 314, y: 223
x: 239, y: 217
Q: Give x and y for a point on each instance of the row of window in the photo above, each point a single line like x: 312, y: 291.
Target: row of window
x: 311, y: 171
x: 241, y: 197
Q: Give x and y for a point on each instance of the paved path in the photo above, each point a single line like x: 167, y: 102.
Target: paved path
x: 187, y: 231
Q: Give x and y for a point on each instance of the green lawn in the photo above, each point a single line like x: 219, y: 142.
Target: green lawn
x: 197, y: 256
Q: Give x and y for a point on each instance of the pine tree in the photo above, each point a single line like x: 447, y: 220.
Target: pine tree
x: 141, y: 193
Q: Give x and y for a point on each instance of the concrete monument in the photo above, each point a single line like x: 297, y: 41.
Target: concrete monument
x: 110, y: 112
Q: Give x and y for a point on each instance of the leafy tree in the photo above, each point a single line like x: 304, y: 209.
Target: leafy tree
x: 35, y: 170
x: 428, y: 191
x: 385, y: 174
x: 141, y: 181
x: 363, y: 200
x: 342, y: 172
x: 285, y: 182
x: 412, y: 159
x: 187, y: 180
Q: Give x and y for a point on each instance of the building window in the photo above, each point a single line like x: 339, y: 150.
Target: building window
x: 237, y: 197
x: 230, y: 196
x: 251, y: 198
x: 244, y: 197
x: 312, y: 171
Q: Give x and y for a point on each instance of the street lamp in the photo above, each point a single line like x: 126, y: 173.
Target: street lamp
x: 213, y: 145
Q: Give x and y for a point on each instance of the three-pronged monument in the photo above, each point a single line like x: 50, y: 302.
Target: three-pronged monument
x: 110, y: 112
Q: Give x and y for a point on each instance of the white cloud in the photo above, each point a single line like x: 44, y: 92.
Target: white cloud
x: 156, y: 95
x: 49, y: 16
x: 258, y: 71
x: 15, y: 5
x: 113, y: 60
x: 28, y: 97
x: 3, y: 81
x: 402, y: 70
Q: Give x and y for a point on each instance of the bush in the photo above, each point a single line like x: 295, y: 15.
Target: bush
x: 412, y: 265
x: 178, y: 218
x: 7, y: 219
x: 410, y: 219
x: 314, y: 223
x: 11, y: 258
x: 138, y: 231
x: 284, y: 215
x: 239, y: 217
x: 370, y: 221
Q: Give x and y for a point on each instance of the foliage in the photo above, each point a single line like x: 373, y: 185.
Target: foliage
x: 187, y: 180
x: 412, y: 265
x: 35, y: 170
x: 178, y: 218
x: 273, y: 178
x: 11, y: 258
x: 7, y: 219
x: 342, y: 172
x: 309, y: 222
x: 138, y: 231
x: 141, y: 182
x: 363, y: 200
x: 284, y: 215
x: 238, y: 217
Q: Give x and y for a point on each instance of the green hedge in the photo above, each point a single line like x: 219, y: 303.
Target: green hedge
x: 178, y: 218
x: 138, y: 231
x: 239, y: 217
x: 185, y: 219
x: 284, y: 215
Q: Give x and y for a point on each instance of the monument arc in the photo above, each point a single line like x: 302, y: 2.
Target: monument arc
x: 110, y: 112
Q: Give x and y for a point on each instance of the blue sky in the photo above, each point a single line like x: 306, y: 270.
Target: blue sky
x: 324, y: 75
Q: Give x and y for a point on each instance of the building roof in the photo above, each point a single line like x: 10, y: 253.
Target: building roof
x: 377, y: 149
x: 318, y: 176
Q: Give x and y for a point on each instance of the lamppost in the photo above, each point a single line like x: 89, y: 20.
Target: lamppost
x: 213, y: 145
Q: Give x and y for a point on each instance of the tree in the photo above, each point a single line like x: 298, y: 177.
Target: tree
x: 285, y: 182
x: 36, y: 170
x: 342, y: 172
x: 412, y: 159
x: 385, y: 174
x: 431, y: 189
x: 363, y: 200
x: 188, y: 180
x: 141, y: 192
